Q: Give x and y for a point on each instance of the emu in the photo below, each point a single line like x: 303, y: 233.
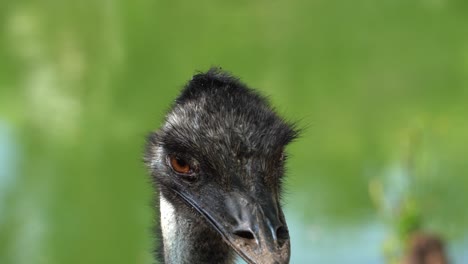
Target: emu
x: 217, y: 164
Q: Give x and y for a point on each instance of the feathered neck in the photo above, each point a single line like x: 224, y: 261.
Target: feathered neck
x: 187, y: 238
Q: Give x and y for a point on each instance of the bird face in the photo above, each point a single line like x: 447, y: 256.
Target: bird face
x: 221, y: 154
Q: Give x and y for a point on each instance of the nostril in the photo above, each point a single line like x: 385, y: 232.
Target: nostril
x: 282, y: 233
x: 247, y: 234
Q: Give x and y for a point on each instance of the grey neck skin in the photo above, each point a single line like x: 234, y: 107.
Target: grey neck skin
x: 187, y: 238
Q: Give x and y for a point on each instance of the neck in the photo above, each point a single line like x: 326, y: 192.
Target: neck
x: 187, y: 238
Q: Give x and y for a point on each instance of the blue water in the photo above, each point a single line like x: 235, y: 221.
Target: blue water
x: 322, y: 244
x: 8, y: 157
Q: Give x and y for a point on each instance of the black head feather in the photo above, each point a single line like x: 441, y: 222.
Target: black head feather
x: 234, y: 139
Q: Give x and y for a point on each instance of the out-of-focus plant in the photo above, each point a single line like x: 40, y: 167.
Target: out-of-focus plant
x: 397, y: 198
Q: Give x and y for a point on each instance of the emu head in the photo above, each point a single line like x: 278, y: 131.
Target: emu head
x: 220, y: 154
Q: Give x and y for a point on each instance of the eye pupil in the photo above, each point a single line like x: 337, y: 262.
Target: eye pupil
x: 181, y: 162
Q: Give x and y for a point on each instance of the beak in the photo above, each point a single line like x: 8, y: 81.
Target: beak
x: 257, y: 232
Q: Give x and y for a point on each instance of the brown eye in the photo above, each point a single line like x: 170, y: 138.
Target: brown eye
x: 179, y: 165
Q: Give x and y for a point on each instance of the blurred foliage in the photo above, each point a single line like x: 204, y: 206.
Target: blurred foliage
x: 83, y: 82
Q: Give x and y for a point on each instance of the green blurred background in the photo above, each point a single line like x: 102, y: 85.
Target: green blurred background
x: 381, y: 87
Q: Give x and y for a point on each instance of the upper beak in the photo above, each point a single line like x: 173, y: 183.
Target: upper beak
x: 257, y: 232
